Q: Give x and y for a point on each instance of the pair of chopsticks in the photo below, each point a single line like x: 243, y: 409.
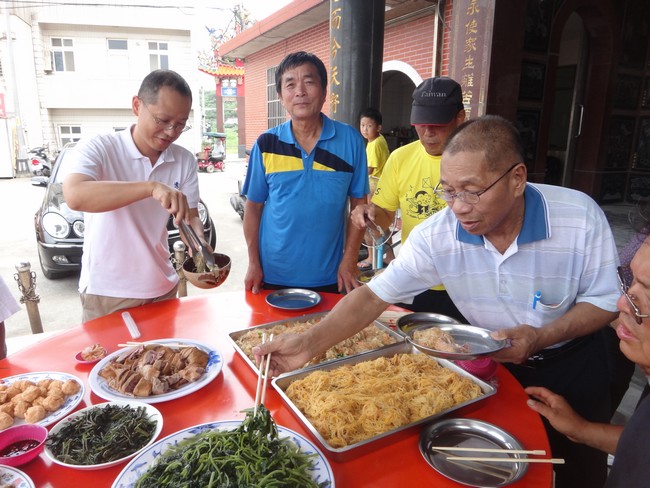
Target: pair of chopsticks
x: 485, y: 464
x: 177, y: 345
x: 263, y: 373
x: 446, y: 449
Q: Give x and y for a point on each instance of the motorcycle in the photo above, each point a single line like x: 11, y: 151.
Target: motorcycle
x: 39, y: 162
x: 238, y: 201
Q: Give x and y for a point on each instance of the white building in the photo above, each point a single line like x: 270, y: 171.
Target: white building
x: 70, y: 71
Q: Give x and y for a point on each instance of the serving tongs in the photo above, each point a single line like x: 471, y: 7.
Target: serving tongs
x: 195, y: 244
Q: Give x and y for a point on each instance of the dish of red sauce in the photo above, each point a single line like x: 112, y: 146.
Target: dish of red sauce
x: 17, y: 448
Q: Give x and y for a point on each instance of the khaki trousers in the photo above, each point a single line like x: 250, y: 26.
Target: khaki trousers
x: 98, y: 305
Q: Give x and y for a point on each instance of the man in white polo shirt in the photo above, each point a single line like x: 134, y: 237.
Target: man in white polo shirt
x: 534, y: 263
x: 128, y: 183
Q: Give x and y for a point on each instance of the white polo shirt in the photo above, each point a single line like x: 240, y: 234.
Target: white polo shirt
x: 8, y: 304
x: 564, y: 254
x: 125, y: 250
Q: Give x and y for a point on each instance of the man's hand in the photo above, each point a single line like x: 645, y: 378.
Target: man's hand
x: 348, y: 274
x: 361, y: 214
x: 523, y: 343
x: 289, y: 352
x: 174, y: 201
x: 254, y: 278
x: 558, y: 412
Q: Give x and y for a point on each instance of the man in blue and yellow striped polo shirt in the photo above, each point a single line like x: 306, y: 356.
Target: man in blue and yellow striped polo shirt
x: 299, y: 179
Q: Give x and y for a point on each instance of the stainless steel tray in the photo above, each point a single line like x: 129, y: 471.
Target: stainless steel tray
x: 234, y: 336
x: 282, y: 382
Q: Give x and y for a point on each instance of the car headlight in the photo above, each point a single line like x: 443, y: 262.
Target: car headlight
x: 203, y: 213
x: 79, y: 227
x: 55, y: 225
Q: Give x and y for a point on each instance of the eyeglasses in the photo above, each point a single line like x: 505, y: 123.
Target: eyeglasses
x: 621, y: 272
x: 165, y: 125
x: 471, y: 197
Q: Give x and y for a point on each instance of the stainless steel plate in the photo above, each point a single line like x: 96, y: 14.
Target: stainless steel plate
x: 293, y: 299
x: 478, y: 340
x: 475, y: 434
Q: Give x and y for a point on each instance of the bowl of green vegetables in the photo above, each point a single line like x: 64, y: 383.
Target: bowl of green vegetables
x: 103, y: 435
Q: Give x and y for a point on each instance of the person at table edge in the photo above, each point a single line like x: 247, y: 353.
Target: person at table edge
x: 629, y: 443
x: 536, y: 264
x: 128, y: 183
x: 299, y: 179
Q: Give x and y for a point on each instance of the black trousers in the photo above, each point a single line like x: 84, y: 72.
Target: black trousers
x: 434, y: 301
x: 580, y: 376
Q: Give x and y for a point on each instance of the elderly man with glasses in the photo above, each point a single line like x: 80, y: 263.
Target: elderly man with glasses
x: 536, y: 264
x: 128, y: 183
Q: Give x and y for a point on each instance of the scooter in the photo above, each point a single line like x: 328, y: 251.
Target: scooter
x: 39, y: 162
x: 211, y: 164
x: 239, y: 200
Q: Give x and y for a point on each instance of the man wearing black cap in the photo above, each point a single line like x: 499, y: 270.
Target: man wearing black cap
x: 413, y: 171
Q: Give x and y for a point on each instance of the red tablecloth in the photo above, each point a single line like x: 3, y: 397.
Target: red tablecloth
x: 209, y: 319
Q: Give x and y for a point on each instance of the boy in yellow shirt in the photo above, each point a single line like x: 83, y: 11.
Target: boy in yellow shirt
x: 377, y: 154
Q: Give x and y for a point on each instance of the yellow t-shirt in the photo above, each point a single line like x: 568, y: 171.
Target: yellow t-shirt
x: 377, y: 154
x: 407, y: 183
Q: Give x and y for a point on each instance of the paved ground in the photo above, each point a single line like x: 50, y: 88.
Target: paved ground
x: 59, y: 305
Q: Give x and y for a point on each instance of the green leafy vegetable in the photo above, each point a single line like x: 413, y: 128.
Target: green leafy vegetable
x: 249, y: 456
x: 102, y: 435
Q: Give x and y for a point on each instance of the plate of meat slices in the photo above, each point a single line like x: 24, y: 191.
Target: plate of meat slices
x: 155, y: 371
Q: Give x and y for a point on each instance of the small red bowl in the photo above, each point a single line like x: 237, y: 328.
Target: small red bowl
x: 19, y: 434
x: 484, y: 368
x: 81, y: 360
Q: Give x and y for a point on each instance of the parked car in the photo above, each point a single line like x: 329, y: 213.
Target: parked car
x: 60, y: 230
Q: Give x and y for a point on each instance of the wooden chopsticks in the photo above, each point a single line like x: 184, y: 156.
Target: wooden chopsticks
x: 485, y: 464
x: 539, y: 452
x: 262, y: 374
x: 506, y: 459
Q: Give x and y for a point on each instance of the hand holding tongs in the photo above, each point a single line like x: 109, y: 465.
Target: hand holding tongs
x: 195, y: 244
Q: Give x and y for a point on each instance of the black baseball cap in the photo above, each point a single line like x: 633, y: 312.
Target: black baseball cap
x: 436, y: 101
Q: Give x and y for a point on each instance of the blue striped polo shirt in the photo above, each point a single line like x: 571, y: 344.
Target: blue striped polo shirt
x: 305, y: 198
x: 565, y: 251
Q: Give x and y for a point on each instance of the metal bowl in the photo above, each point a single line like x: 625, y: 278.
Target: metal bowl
x: 208, y: 279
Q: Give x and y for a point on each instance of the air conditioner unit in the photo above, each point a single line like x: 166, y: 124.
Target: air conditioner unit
x: 47, y: 61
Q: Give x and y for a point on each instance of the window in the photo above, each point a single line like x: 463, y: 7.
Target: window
x: 117, y: 45
x: 69, y: 133
x: 62, y: 54
x: 276, y: 114
x: 158, y: 55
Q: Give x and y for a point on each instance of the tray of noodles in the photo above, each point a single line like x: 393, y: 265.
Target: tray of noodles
x: 375, y: 336
x: 353, y: 405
